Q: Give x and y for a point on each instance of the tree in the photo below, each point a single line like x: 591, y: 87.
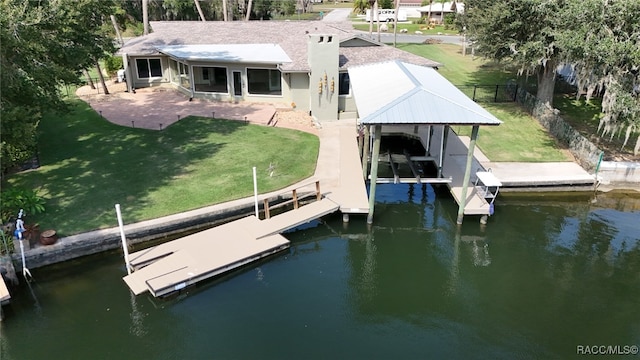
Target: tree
x: 519, y: 31
x: 44, y: 45
x: 145, y: 16
x: 360, y: 6
x: 199, y: 10
x: 602, y: 43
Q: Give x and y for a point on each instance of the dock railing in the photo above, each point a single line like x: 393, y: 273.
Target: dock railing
x: 296, y: 198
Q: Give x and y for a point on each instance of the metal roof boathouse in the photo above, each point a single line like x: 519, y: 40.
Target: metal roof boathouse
x: 395, y: 97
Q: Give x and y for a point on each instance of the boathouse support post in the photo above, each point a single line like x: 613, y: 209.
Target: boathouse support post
x: 365, y: 152
x: 443, y: 146
x: 428, y: 141
x: 467, y: 173
x: 377, y: 136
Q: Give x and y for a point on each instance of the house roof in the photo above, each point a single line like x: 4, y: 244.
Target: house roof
x: 244, y: 53
x: 291, y: 36
x: 404, y: 93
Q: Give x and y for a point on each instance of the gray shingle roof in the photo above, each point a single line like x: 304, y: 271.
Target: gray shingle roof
x: 290, y: 35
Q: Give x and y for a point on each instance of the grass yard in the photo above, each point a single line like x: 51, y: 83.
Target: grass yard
x: 89, y: 164
x: 520, y: 138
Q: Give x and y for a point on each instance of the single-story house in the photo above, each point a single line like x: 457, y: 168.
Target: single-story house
x: 302, y: 64
x: 438, y: 10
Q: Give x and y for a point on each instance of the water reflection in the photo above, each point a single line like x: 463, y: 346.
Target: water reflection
x: 544, y: 275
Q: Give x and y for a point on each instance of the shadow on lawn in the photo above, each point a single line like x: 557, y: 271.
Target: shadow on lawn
x: 89, y: 164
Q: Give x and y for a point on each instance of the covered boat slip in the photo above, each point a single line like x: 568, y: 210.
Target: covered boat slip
x: 448, y: 169
x: 418, y: 101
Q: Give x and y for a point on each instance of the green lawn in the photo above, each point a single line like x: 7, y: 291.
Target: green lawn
x: 89, y: 164
x: 520, y: 137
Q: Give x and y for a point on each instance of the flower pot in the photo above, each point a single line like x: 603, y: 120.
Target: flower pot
x: 48, y: 237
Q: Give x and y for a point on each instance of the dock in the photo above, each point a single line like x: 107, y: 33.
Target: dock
x: 175, y: 265
x: 4, y: 292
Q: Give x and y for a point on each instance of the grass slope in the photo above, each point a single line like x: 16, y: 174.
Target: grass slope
x: 89, y: 164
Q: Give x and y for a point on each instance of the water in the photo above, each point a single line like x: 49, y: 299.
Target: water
x: 545, y: 275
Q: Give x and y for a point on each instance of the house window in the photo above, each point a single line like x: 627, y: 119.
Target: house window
x: 185, y: 79
x: 210, y: 79
x: 149, y: 68
x: 173, y: 70
x: 264, y: 81
x: 343, y: 84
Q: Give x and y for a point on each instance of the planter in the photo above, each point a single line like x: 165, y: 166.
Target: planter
x: 48, y: 237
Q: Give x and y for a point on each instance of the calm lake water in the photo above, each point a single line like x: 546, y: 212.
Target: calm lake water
x: 546, y: 275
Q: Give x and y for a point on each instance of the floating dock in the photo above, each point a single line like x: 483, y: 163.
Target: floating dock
x: 175, y: 265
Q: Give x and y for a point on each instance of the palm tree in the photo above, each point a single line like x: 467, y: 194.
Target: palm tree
x: 360, y: 6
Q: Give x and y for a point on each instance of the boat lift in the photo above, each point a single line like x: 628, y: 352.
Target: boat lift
x: 487, y: 186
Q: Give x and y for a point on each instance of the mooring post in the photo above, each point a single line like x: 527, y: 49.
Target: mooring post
x: 467, y: 173
x: 266, y: 209
x: 318, y: 193
x: 365, y: 152
x: 255, y: 192
x: 377, y: 136
x: 125, y: 249
x: 295, y: 199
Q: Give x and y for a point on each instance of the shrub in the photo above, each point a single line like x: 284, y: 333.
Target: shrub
x: 422, y: 20
x: 15, y: 198
x: 112, y: 64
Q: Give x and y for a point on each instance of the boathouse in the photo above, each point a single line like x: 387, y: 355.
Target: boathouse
x: 416, y: 101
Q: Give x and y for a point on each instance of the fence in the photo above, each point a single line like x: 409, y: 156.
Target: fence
x: 489, y: 93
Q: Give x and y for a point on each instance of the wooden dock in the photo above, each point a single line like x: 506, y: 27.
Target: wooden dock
x: 4, y: 292
x: 174, y: 265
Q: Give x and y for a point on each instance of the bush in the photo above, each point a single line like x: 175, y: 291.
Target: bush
x: 112, y: 64
x: 422, y: 20
x: 15, y: 198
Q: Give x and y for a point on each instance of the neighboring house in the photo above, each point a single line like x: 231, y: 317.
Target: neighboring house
x: 411, y: 7
x: 296, y: 63
x: 439, y: 10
